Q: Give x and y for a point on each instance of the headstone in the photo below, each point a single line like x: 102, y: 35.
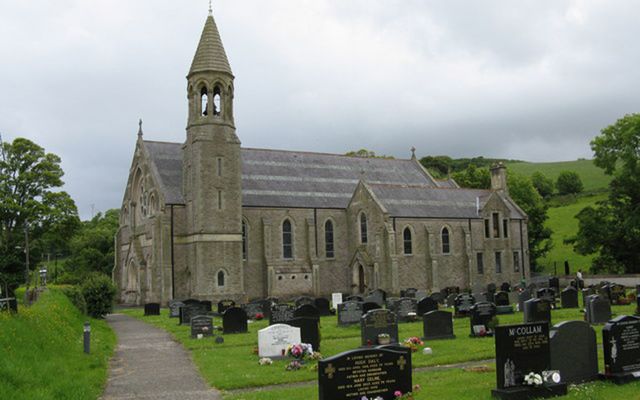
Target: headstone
x: 323, y: 306
x: 491, y: 288
x: 618, y: 294
x: 547, y: 294
x: 272, y: 301
x: 174, y: 308
x: 336, y: 298
x: 309, y: 330
x: 377, y: 296
x: 438, y: 297
x: 488, y: 296
x: 234, y: 320
x: 207, y: 305
x: 421, y: 293
x: 425, y: 305
x: 513, y: 297
x: 406, y: 309
x: 523, y: 297
x: 349, y: 313
x: 368, y: 306
x: 463, y: 304
x: 521, y: 349
x: 505, y: 287
x: 302, y: 300
x: 437, y: 325
x: 151, y: 309
x: 224, y: 304
x: 189, y: 310
x: 598, y: 310
x: 201, y: 325
x: 364, y: 373
x: 480, y: 316
x: 390, y: 302
x: 253, y: 309
x: 501, y: 299
x: 355, y: 298
x: 377, y: 322
x: 411, y: 293
x: 604, y: 290
x: 554, y: 283
x: 537, y: 310
x: 281, y: 314
x: 574, y: 351
x: 569, y: 297
x: 621, y: 343
x: 451, y: 300
x: 586, y: 292
x: 274, y: 339
x: 306, y: 310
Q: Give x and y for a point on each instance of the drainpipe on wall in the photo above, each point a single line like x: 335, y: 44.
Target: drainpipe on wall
x: 173, y: 261
x: 524, y: 275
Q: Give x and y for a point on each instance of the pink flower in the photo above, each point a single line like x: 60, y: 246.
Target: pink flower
x: 397, y: 393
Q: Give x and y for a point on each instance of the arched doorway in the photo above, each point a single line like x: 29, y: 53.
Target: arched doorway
x: 361, y: 280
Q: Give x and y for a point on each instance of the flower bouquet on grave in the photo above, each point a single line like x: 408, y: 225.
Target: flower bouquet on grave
x: 413, y: 343
x: 259, y: 316
x: 533, y: 379
x: 383, y: 338
x: 299, y: 351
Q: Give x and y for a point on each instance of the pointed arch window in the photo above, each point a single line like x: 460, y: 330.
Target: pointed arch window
x: 408, y: 245
x: 363, y: 228
x: 221, y: 278
x: 217, y: 101
x: 204, y: 101
x: 245, y: 245
x: 328, y: 239
x: 287, y: 240
x: 446, y: 245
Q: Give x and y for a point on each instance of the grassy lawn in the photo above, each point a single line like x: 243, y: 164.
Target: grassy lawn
x: 42, y: 352
x: 564, y: 225
x: 233, y: 364
x: 592, y: 177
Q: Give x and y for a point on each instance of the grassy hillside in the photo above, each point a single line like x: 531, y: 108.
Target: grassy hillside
x: 42, y: 356
x: 564, y: 225
x: 592, y: 177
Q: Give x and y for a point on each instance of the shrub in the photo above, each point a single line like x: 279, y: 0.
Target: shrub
x: 99, y: 293
x: 569, y: 182
x: 76, y: 297
x: 543, y: 185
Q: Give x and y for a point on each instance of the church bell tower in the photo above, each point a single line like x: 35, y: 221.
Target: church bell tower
x: 212, y: 174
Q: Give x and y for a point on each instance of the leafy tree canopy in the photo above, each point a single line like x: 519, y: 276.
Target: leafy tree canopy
x: 473, y: 178
x: 569, y: 182
x: 543, y: 185
x: 611, y: 229
x: 364, y: 153
x: 29, y: 200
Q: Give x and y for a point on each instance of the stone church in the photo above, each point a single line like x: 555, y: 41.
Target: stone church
x: 209, y: 219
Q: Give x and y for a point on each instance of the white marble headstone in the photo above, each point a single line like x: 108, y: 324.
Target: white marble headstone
x: 336, y: 298
x: 273, y: 339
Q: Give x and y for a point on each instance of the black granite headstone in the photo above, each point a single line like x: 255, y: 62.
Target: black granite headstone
x: 355, y: 297
x: 302, y: 300
x: 151, y: 309
x: 365, y: 373
x: 491, y: 288
x: 439, y: 297
x: 234, y: 320
x: 368, y: 306
x: 377, y: 296
x: 349, y: 313
x: 505, y: 287
x: 189, y: 310
x: 410, y: 292
x: 574, y: 351
x: 306, y: 310
x: 463, y: 304
x: 537, y: 310
x: 598, y: 310
x: 437, y: 325
x: 406, y: 309
x: 281, y: 314
x: 425, y: 305
x: 309, y: 330
x: 501, y: 298
x: 604, y: 290
x: 323, y: 306
x: 521, y: 349
x: 523, y: 297
x: 201, y: 325
x: 547, y: 294
x: 488, y: 296
x: 480, y: 315
x: 586, y: 292
x: 621, y: 343
x: 207, y: 304
x: 554, y: 283
x: 377, y: 322
x: 223, y: 305
x: 569, y: 297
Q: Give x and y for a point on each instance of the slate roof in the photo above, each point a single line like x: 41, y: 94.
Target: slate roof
x: 278, y: 178
x: 210, y: 55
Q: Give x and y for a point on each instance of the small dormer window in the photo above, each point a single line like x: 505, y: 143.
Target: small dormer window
x: 204, y: 101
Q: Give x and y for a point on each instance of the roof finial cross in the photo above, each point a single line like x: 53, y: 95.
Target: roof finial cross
x: 140, y: 127
x: 210, y: 8
x: 413, y: 153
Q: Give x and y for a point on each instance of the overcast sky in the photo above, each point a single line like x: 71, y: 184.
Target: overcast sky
x: 533, y: 80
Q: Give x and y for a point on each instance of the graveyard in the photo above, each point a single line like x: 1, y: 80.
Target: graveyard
x: 460, y: 366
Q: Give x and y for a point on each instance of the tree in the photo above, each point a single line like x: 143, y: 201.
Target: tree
x: 526, y: 196
x: 611, y: 229
x: 439, y: 166
x: 473, y: 178
x: 364, y: 153
x: 92, y: 248
x: 29, y: 200
x: 569, y: 182
x: 543, y: 185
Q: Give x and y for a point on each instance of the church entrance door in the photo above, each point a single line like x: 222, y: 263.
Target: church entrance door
x: 361, y: 281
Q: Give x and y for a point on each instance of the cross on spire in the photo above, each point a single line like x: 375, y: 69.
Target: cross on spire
x: 413, y: 153
x: 140, y: 127
x: 210, y: 8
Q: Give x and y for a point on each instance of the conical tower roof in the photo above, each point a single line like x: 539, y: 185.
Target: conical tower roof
x: 210, y: 55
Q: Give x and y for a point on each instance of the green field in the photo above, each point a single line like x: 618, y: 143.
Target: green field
x: 564, y: 225
x: 42, y: 352
x: 233, y: 366
x: 592, y: 177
